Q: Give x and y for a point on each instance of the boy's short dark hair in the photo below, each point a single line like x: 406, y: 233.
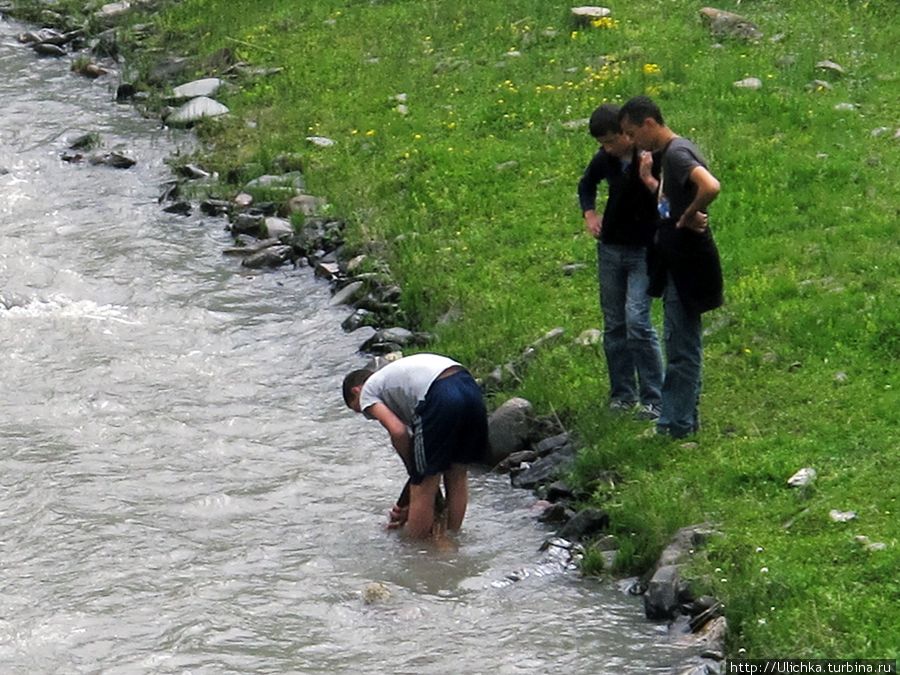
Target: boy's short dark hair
x: 354, y: 379
x: 640, y: 108
x: 605, y: 121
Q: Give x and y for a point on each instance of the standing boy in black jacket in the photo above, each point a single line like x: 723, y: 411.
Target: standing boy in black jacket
x: 623, y: 233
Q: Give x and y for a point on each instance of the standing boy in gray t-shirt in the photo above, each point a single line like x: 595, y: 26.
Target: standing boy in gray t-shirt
x: 685, y: 268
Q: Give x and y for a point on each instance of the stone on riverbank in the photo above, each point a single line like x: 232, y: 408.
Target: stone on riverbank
x: 206, y: 87
x: 195, y: 110
x: 509, y: 428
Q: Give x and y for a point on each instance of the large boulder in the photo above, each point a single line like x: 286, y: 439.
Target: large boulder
x: 661, y: 598
x: 509, y: 429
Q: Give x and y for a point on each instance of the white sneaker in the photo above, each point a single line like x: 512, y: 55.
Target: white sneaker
x: 647, y: 413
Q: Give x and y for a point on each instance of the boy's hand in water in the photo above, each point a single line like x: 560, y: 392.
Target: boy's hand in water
x: 398, y: 516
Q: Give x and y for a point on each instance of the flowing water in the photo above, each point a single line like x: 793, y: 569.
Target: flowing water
x: 181, y: 488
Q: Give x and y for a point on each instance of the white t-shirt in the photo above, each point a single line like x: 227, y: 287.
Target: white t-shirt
x: 401, y: 384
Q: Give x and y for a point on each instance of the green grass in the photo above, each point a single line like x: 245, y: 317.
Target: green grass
x: 801, y: 363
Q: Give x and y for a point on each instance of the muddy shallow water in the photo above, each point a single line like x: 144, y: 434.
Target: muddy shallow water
x: 181, y: 488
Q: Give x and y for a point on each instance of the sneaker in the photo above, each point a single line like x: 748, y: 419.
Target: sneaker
x: 671, y: 433
x: 648, y: 412
x: 618, y: 406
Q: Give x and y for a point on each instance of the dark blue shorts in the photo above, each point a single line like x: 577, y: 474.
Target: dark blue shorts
x: 450, y: 427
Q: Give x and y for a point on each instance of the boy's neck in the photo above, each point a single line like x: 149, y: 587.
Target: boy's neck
x: 665, y: 137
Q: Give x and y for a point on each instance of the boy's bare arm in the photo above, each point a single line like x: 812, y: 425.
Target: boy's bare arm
x: 593, y: 223
x: 708, y: 187
x: 396, y: 429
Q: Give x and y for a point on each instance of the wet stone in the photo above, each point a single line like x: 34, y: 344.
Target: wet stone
x: 181, y: 208
x: 359, y: 318
x: 273, y: 256
x: 47, y: 49
x: 215, y: 207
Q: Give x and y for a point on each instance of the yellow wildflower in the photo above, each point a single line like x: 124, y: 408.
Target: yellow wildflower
x: 604, y: 22
x: 651, y: 69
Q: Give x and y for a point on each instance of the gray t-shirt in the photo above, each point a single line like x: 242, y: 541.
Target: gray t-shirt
x: 678, y: 161
x: 400, y: 385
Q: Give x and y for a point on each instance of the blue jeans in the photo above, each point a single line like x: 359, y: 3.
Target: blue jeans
x: 684, y: 359
x: 632, y: 349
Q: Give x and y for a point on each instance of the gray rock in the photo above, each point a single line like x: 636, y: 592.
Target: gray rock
x: 841, y: 516
x: 248, y: 223
x: 558, y: 491
x: 556, y: 513
x: 113, y: 10
x: 869, y: 545
x: 249, y: 249
x: 749, y: 83
x: 684, y: 542
x: 242, y: 200
x: 585, y: 524
x: 347, y: 294
x: 516, y: 459
x: 168, y: 69
x: 205, y: 87
x: 830, y: 66
x: 356, y: 263
x: 274, y: 228
x: 327, y: 270
x: 308, y: 205
x: 819, y: 85
x: 584, y: 15
x: 181, y: 208
x: 48, y: 49
x: 292, y: 180
x: 87, y: 141
x: 548, y: 338
x: 49, y: 36
x: 359, y: 318
x: 552, y: 444
x: 661, y: 598
x: 802, y: 478
x: 89, y: 69
x: 397, y: 335
x: 195, y: 110
x: 727, y: 24
x: 589, y: 337
x: 845, y: 107
x: 193, y: 172
x: 545, y: 470
x: 272, y: 256
x: 320, y: 141
x: 570, y: 269
x: 509, y: 428
x: 114, y: 159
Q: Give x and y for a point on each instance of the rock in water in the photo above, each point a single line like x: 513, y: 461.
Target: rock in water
x: 375, y: 592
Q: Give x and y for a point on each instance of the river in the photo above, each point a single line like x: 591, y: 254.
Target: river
x: 181, y: 487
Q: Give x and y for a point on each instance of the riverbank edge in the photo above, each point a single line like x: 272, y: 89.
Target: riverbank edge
x: 320, y: 264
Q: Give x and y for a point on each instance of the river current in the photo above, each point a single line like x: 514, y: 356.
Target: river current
x: 181, y: 487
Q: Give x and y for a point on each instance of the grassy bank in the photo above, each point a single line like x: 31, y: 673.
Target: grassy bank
x: 479, y: 174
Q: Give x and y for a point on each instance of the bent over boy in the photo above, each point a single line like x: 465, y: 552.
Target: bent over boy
x: 435, y: 415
